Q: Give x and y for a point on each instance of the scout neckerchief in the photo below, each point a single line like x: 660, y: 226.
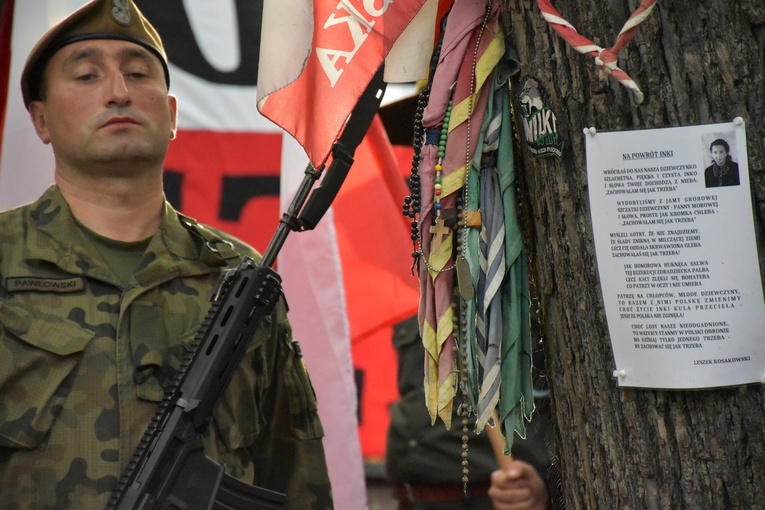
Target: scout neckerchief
x: 605, y: 59
x: 474, y: 306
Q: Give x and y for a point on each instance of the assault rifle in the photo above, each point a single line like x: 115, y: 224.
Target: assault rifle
x: 169, y: 469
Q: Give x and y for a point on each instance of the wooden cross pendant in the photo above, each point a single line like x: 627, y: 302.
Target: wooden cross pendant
x: 438, y: 230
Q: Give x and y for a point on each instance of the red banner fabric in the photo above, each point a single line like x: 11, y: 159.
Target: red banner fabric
x: 228, y: 180
x: 349, y: 42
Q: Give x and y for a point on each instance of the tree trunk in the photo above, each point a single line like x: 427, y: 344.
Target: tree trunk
x: 697, y: 62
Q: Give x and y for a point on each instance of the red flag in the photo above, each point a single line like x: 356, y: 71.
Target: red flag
x: 373, y: 238
x: 318, y: 57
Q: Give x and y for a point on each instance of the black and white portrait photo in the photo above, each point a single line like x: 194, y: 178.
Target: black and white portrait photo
x: 723, y: 171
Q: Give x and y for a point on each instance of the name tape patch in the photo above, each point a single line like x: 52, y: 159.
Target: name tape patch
x: 52, y: 285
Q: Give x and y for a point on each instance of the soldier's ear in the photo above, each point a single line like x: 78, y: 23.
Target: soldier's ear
x: 38, y: 113
x: 172, y: 103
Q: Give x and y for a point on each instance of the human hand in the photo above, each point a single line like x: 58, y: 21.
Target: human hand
x: 518, y: 486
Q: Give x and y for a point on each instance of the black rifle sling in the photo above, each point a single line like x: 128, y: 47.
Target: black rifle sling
x: 342, y: 152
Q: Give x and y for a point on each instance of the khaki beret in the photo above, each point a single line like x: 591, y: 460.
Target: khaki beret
x: 98, y: 19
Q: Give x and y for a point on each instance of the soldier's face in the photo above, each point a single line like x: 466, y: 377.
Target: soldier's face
x: 719, y: 154
x: 105, y: 101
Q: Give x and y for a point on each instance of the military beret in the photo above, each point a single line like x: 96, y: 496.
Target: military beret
x: 98, y: 19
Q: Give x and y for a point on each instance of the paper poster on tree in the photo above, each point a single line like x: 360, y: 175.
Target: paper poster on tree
x: 677, y: 255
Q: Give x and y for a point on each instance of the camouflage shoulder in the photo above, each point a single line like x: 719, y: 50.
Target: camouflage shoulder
x: 11, y: 222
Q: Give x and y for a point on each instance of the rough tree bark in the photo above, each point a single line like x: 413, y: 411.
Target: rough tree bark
x: 698, y: 62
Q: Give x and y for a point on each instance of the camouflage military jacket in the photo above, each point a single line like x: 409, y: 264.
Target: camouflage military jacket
x: 84, y: 363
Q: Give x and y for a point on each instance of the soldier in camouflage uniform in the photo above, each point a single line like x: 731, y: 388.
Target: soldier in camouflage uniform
x: 96, y: 314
